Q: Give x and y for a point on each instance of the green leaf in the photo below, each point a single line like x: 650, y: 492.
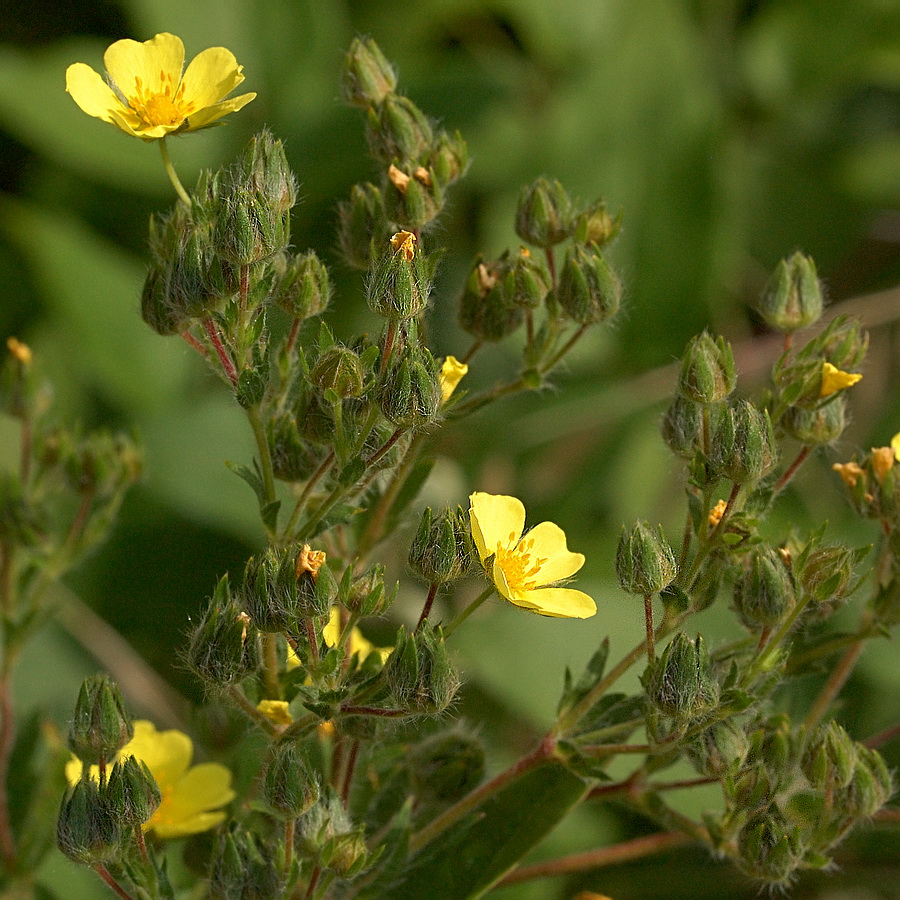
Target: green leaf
x: 269, y: 514
x: 592, y: 674
x: 467, y: 859
x: 251, y: 476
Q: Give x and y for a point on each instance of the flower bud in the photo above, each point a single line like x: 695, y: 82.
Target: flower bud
x: 645, y: 563
x: 707, y: 370
x: 418, y: 672
x: 743, y: 445
x: 223, y: 649
x: 316, y: 587
x: 680, y: 682
x: 87, y: 830
x: 844, y: 344
x: 362, y: 225
x: 826, y: 572
x: 769, y: 848
x: 398, y: 131
x: 339, y: 369
x: 302, y: 287
x: 445, y: 767
x: 367, y: 77
x: 326, y: 835
x: 526, y: 280
x: 449, y: 159
x: 830, y: 758
x: 871, y: 786
x: 157, y: 309
x: 131, y: 792
x: 292, y: 457
x: 290, y: 787
x: 410, y: 392
x: 101, y: 725
x: 816, y: 427
x: 243, y: 868
x: 596, y: 226
x: 544, y: 213
x: 270, y: 593
x: 413, y: 201
x: 764, y: 590
x: 441, y: 551
x: 485, y: 309
x: 793, y: 298
x: 588, y: 291
x: 400, y: 285
x: 720, y: 750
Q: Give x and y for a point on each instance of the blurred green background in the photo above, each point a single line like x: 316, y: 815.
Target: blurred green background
x: 730, y: 133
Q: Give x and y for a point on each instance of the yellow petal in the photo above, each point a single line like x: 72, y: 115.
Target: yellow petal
x: 211, y: 76
x: 895, y: 446
x: 452, y: 372
x: 92, y: 93
x: 202, y: 788
x: 166, y: 753
x: 331, y: 633
x: 276, y: 711
x: 73, y: 770
x: 548, y: 541
x: 834, y: 379
x: 495, y: 519
x: 157, y: 63
x: 184, y: 827
x: 561, y: 603
x: 214, y: 113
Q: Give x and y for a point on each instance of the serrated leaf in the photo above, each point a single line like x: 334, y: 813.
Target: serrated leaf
x: 269, y: 514
x: 252, y: 478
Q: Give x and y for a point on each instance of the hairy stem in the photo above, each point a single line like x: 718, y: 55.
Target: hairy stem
x: 183, y: 195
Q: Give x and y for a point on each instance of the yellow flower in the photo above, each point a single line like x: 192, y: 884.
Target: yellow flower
x: 148, y: 96
x: 22, y: 352
x: 895, y: 446
x: 191, y: 795
x: 716, y: 513
x: 882, y: 462
x: 524, y: 564
x: 452, y: 372
x: 833, y: 379
x: 331, y: 634
x: 276, y: 711
x: 851, y: 472
x: 403, y: 243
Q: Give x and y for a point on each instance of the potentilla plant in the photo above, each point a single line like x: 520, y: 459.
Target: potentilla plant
x: 363, y: 784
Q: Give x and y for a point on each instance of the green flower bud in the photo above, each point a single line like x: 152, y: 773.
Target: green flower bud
x: 645, y: 563
x: 367, y: 595
x: 526, y: 280
x: 346, y: 854
x: 362, y: 225
x: 88, y: 831
x: 101, y: 725
x: 418, y: 672
x: 398, y: 131
x: 819, y: 426
x: 769, y: 848
x: 680, y: 682
x: 844, y: 344
x: 445, y: 767
x: 400, y: 285
x: 157, y: 309
x: 764, y: 590
x: 131, y: 792
x: 245, y: 868
x: 410, y: 393
x: 743, y: 445
x: 326, y: 835
x: 871, y: 786
x: 302, y: 287
x: 289, y: 785
x: 588, y: 291
x: 720, y: 750
x: 485, y: 309
x: 223, y: 649
x: 544, y: 214
x: 682, y: 427
x: 367, y: 77
x: 830, y: 758
x: 314, y: 420
x: 707, y: 370
x: 793, y: 298
x: 449, y: 159
x: 441, y: 550
x: 826, y: 572
x: 339, y: 369
x: 596, y: 226
x: 413, y: 200
x: 270, y: 592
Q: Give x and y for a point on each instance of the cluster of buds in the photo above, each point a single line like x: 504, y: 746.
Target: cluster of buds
x: 245, y: 867
x: 442, y: 550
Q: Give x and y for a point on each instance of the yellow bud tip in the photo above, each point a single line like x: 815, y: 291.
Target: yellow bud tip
x: 326, y: 730
x: 850, y: 472
x: 22, y: 352
x: 834, y: 379
x: 399, y: 180
x: 452, y: 372
x: 882, y: 462
x: 275, y: 711
x: 716, y: 513
x: 404, y: 244
x: 309, y: 560
x: 525, y: 253
x: 423, y: 175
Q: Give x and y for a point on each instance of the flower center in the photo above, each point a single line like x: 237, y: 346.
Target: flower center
x: 517, y: 563
x: 165, y: 107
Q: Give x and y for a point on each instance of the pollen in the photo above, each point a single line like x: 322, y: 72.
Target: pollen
x: 162, y: 107
x: 519, y: 567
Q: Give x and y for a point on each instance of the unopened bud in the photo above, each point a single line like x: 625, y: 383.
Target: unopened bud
x: 816, y: 427
x: 87, y: 829
x: 316, y: 587
x: 410, y: 393
x: 645, y: 563
x: 680, y: 682
x: 743, y: 446
x: 419, y: 673
x: 682, y: 427
x: 367, y: 77
x: 871, y: 786
x: 362, y: 225
x: 769, y: 848
x: 826, y: 573
x: 485, y: 309
x: 131, y: 792
x: 589, y: 290
x: 398, y: 131
x: 290, y: 786
x: 720, y: 750
x: 830, y: 758
x: 339, y: 370
x: 793, y: 298
x: 269, y: 592
x: 544, y: 214
x: 399, y: 287
x: 526, y: 280
x: 707, y: 370
x: 764, y: 590
x: 101, y: 725
x: 441, y: 551
x: 302, y: 287
x: 244, y: 868
x: 596, y: 226
x: 449, y: 158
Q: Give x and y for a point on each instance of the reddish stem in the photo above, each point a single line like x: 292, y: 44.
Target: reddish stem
x: 648, y: 620
x: 880, y: 739
x: 292, y: 337
x: 117, y: 888
x: 791, y: 470
x: 429, y: 602
x: 193, y: 342
x: 221, y: 352
x: 348, y: 773
x: 384, y: 447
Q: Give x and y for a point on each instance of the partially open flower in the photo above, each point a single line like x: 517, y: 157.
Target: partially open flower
x: 147, y: 96
x: 525, y: 565
x: 452, y: 372
x: 834, y: 379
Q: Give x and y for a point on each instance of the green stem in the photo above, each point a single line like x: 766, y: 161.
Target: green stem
x: 265, y: 454
x: 557, y: 357
x: 468, y: 611
x: 270, y: 666
x: 538, y: 757
x: 288, y: 532
x: 247, y: 707
x: 173, y: 175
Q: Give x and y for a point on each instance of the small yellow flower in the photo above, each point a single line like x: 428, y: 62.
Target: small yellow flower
x: 147, y: 96
x: 191, y: 795
x: 525, y: 565
x: 716, y: 513
x: 851, y: 472
x: 399, y: 179
x: 452, y: 372
x: 22, y: 352
x: 276, y: 711
x: 309, y: 560
x: 882, y: 462
x: 834, y: 379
